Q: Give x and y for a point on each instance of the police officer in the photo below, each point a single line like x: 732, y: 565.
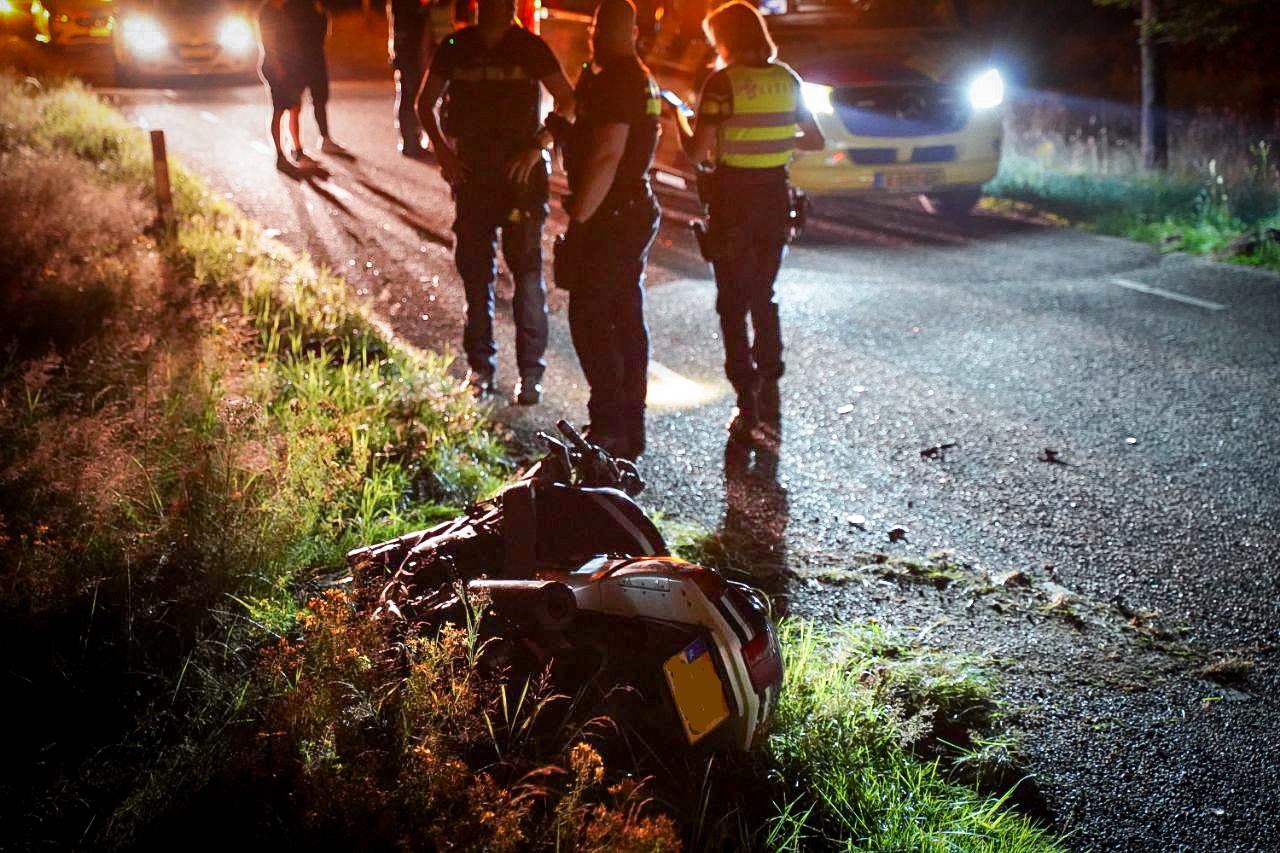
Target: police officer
x: 408, y: 21
x: 613, y: 219
x: 751, y: 117
x: 497, y: 165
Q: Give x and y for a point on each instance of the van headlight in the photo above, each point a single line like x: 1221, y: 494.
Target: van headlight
x: 986, y: 90
x: 236, y: 35
x: 817, y: 98
x: 143, y: 35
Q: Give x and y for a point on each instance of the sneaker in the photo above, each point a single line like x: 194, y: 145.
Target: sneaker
x: 283, y: 164
x: 528, y: 392
x: 304, y: 161
x: 481, y: 385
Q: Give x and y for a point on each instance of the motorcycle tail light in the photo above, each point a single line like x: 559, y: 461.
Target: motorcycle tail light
x: 764, y: 663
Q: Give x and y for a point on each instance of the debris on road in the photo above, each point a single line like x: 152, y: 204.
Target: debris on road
x: 1051, y: 456
x: 1013, y: 578
x: 939, y: 451
x: 845, y: 409
x: 858, y: 521
x: 898, y: 534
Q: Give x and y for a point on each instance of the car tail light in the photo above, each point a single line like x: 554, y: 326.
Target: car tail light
x: 764, y: 663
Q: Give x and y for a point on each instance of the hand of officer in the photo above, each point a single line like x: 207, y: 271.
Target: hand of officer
x: 451, y: 166
x: 521, y: 166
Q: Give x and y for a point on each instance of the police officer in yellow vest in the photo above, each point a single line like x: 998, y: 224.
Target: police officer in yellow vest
x: 751, y: 117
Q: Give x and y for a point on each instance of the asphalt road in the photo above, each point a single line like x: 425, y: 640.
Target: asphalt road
x: 1150, y: 544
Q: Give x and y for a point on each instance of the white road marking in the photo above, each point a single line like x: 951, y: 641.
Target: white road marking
x: 210, y: 117
x: 1168, y: 294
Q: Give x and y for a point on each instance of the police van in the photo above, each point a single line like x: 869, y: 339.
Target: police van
x: 907, y: 103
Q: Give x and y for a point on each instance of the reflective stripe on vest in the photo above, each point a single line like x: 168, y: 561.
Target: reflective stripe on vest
x: 760, y: 134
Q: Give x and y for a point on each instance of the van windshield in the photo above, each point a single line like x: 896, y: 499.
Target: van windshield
x: 870, y: 14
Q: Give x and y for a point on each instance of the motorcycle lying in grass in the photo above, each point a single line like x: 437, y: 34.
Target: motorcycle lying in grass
x: 578, y: 577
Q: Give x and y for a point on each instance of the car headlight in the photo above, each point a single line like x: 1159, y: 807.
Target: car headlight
x: 986, y: 90
x: 6, y: 7
x: 817, y: 98
x: 236, y: 35
x: 143, y: 35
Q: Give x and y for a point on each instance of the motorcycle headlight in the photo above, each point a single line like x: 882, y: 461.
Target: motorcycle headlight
x: 817, y: 98
x: 986, y: 90
x: 144, y: 35
x: 236, y: 35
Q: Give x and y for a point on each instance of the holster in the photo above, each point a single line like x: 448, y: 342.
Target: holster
x: 708, y: 244
x: 566, y: 262
x: 798, y: 217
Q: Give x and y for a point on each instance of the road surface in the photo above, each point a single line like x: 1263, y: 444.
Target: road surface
x: 1113, y: 413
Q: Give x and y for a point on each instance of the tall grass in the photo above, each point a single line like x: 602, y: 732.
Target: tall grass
x: 1221, y: 194
x: 191, y: 427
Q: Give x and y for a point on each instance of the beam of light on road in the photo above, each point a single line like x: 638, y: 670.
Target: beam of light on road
x: 670, y: 391
x: 1168, y: 294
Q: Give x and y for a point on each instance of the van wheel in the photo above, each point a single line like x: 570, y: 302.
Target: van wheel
x: 956, y: 204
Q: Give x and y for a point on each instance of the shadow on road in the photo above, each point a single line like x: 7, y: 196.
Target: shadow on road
x: 752, y: 535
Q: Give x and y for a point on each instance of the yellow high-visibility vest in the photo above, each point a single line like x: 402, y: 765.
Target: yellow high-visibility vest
x: 761, y: 132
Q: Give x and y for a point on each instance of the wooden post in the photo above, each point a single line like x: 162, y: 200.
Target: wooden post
x: 164, y: 193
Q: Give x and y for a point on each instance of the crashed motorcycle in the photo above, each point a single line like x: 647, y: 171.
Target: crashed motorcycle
x: 575, y: 574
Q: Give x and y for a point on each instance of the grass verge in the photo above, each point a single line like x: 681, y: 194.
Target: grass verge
x: 193, y: 429
x: 1204, y: 216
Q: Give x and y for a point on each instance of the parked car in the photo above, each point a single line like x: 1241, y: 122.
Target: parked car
x: 184, y: 37
x: 906, y: 103
x: 73, y: 22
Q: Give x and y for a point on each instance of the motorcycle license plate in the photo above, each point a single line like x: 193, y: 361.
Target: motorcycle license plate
x: 696, y: 688
x: 909, y: 179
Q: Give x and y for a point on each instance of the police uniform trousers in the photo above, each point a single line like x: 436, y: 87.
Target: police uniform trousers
x: 315, y: 74
x: 606, y: 316
x: 489, y: 203
x: 408, y: 61
x: 750, y: 217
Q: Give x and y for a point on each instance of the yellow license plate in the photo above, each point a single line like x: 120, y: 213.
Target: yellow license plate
x: 909, y: 179
x: 696, y: 688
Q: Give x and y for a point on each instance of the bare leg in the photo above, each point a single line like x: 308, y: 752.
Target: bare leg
x: 276, y: 115
x: 295, y: 129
